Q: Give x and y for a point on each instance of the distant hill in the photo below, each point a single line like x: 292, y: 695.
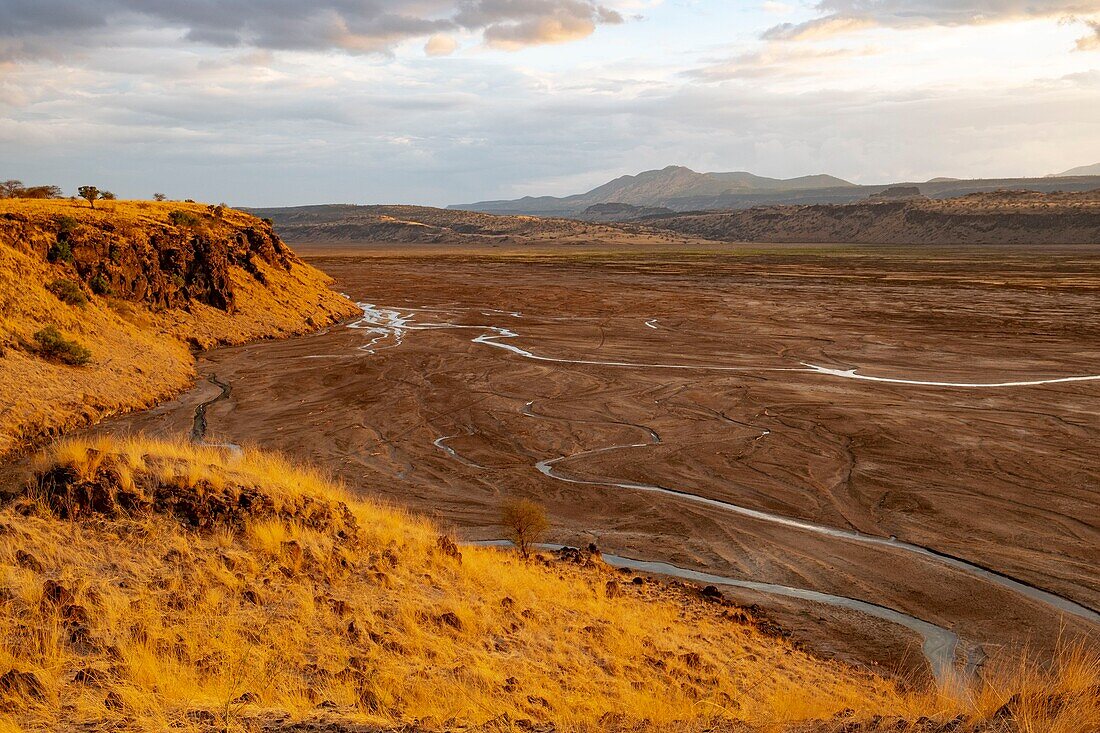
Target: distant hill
x: 349, y: 224
x: 895, y: 216
x: 657, y: 188
x: 682, y: 189
x: 1004, y: 217
x: 1084, y: 170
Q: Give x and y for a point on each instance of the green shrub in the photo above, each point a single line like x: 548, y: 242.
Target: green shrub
x: 68, y: 292
x: 60, y: 251
x: 66, y: 224
x: 52, y: 345
x: 100, y: 285
x: 183, y: 218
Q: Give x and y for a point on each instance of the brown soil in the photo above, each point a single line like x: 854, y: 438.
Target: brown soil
x: 1006, y: 478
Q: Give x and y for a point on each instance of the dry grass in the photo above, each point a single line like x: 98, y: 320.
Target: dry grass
x: 157, y: 625
x: 138, y: 355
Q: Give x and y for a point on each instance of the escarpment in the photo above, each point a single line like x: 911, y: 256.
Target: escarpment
x: 101, y: 307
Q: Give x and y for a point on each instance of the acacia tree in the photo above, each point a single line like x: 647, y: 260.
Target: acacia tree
x: 159, y: 197
x: 524, y: 523
x: 89, y: 193
x: 10, y: 188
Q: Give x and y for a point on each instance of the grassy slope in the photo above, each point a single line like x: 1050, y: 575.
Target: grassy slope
x: 293, y: 608
x: 139, y: 352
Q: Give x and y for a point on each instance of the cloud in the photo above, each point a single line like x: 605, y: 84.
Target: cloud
x: 1091, y: 42
x: 515, y: 24
x: 36, y: 28
x: 440, y: 44
x: 776, y: 60
x: 839, y: 17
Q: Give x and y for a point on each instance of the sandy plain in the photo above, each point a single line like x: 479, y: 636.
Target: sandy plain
x: 695, y: 405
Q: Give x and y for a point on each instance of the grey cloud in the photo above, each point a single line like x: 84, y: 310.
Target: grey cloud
x: 841, y: 16
x: 34, y: 27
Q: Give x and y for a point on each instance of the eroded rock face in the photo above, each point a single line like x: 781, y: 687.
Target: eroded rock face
x: 160, y: 264
x: 112, y: 491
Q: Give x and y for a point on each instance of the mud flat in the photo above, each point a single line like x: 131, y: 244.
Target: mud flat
x: 910, y: 429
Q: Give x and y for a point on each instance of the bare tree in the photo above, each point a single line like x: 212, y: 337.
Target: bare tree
x: 524, y: 522
x: 88, y: 193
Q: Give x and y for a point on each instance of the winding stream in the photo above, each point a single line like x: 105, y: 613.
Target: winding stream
x: 939, y: 644
x: 392, y: 325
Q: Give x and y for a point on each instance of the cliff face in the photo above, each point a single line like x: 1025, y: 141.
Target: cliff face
x: 1022, y: 217
x: 131, y: 252
x: 98, y: 308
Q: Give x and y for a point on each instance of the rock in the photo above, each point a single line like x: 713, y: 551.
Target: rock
x: 611, y: 589
x: 247, y: 698
x: 638, y: 580
x: 449, y: 618
x: 691, y: 660
x: 712, y: 592
x: 28, y: 561
x: 113, y: 701
x: 17, y: 686
x: 56, y: 594
x: 447, y: 547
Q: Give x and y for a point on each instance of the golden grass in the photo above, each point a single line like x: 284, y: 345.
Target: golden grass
x: 171, y: 627
x: 139, y: 356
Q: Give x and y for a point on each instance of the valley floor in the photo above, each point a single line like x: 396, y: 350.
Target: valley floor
x: 709, y: 408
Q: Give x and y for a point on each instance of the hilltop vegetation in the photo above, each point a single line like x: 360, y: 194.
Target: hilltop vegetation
x: 100, y: 307
x: 154, y: 586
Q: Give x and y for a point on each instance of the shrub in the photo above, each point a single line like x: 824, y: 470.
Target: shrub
x: 60, y: 251
x: 183, y: 218
x: 159, y: 197
x: 524, y: 522
x: 52, y: 345
x: 100, y: 285
x: 68, y: 292
x: 66, y: 224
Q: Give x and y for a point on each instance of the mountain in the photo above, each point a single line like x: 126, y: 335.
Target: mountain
x: 682, y: 189
x: 1084, y: 170
x: 658, y: 188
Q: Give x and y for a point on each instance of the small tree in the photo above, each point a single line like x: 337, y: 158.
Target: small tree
x: 524, y: 523
x: 107, y: 196
x: 159, y: 197
x: 89, y: 194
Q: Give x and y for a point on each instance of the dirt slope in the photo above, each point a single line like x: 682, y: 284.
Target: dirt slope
x: 127, y: 289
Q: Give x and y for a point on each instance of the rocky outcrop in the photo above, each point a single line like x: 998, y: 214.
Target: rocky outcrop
x: 112, y: 490
x: 163, y: 264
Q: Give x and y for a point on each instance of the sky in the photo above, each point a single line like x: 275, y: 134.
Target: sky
x: 284, y: 102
